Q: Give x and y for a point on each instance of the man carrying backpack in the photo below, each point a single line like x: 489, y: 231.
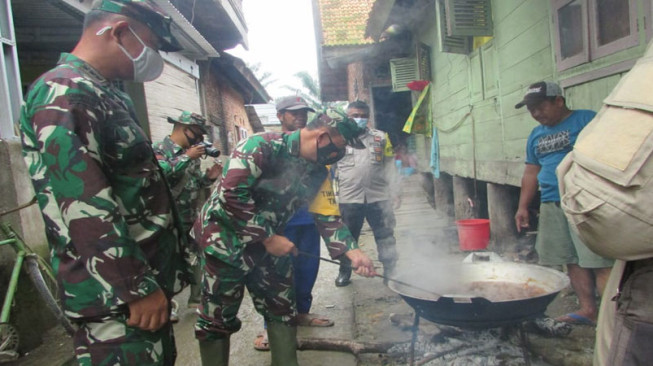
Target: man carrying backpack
x: 607, y: 195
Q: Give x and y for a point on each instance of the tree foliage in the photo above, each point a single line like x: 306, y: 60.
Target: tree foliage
x: 310, y: 91
x: 264, y: 77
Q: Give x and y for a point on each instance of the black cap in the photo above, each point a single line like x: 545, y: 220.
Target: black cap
x: 540, y: 91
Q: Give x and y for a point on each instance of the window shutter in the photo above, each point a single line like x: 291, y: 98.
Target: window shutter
x: 451, y: 44
x: 468, y: 17
x: 424, y: 61
x: 456, y: 44
x: 403, y: 71
x: 490, y: 80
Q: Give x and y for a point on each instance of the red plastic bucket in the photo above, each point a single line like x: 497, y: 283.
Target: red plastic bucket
x: 473, y: 234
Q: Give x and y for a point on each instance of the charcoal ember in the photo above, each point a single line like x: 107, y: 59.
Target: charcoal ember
x: 462, y: 347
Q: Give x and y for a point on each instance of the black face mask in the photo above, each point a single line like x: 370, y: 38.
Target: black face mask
x: 325, y: 155
x: 192, y: 141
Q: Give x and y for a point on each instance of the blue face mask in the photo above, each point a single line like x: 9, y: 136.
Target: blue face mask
x: 361, y: 122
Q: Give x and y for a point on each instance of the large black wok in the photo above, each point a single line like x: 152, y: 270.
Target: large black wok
x: 459, y: 308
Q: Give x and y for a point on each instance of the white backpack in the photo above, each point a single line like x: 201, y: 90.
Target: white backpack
x: 605, y: 182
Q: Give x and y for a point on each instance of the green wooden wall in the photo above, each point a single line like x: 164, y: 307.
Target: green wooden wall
x: 481, y: 134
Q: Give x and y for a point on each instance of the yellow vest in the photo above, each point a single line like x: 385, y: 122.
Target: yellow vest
x: 325, y: 202
x: 388, y: 150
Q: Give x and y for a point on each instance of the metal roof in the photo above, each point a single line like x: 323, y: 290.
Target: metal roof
x: 267, y: 114
x: 195, y: 45
x: 187, y: 34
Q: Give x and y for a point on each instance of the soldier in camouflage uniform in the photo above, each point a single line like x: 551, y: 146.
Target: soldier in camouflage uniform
x: 267, y: 179
x: 115, y: 239
x: 178, y: 155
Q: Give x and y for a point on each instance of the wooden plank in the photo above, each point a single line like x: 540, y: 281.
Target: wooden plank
x: 530, y: 70
x: 489, y: 131
x: 501, y: 172
x: 515, y: 150
x: 452, y: 90
x: 455, y: 103
x: 524, y: 16
x: 525, y: 45
x: 518, y: 127
x: 447, y: 64
x: 618, y: 68
x: 475, y: 77
x: 490, y: 70
x: 488, y: 151
x: 502, y: 9
x: 460, y: 135
x: 591, y: 95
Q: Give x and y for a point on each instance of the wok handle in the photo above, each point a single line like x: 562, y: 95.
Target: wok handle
x: 437, y: 296
x: 482, y: 257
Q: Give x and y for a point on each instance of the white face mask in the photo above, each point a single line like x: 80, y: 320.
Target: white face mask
x: 148, y: 65
x: 361, y: 122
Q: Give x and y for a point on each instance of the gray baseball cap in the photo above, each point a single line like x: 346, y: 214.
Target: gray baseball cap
x: 292, y: 103
x: 539, y: 91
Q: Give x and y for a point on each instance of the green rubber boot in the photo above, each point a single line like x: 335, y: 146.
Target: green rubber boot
x: 215, y: 353
x: 283, y: 344
x: 196, y: 290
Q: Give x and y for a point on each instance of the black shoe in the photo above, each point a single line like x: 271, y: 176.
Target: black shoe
x: 343, y: 278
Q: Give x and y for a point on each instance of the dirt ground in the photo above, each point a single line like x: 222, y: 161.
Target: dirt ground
x: 367, y: 312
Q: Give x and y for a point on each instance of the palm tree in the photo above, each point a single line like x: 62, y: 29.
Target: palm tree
x: 310, y: 91
x: 264, y: 77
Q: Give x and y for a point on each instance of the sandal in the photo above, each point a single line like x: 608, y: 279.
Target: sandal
x: 576, y: 319
x: 313, y: 320
x: 261, y: 342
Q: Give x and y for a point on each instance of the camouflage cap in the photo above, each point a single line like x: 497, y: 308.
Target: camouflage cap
x: 191, y: 119
x: 347, y: 127
x: 146, y: 12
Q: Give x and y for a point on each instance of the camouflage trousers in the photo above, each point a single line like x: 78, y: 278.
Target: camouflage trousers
x: 110, y: 341
x: 269, y: 282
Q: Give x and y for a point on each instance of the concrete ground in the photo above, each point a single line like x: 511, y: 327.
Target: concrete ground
x: 362, y: 312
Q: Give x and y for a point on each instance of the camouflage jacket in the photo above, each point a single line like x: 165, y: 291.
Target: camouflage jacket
x: 184, y: 176
x: 263, y: 184
x: 110, y: 222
